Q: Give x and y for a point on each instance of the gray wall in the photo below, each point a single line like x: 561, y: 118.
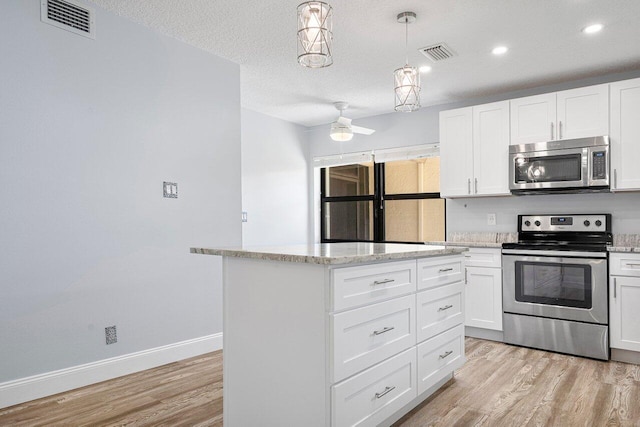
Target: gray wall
x: 89, y: 130
x: 274, y: 181
x: 421, y: 127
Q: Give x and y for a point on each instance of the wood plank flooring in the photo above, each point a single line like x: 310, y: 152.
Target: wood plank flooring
x: 500, y: 385
x: 503, y: 385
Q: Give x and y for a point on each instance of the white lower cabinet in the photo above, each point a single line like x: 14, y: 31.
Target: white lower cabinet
x: 483, y: 291
x: 440, y: 356
x: 386, y: 354
x: 624, y: 301
x: 370, y: 397
x: 338, y: 345
x: 439, y: 309
x: 368, y: 335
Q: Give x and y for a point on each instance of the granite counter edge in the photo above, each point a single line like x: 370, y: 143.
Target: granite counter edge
x: 328, y: 260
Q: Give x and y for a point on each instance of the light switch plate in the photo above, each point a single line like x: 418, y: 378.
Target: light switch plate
x: 170, y: 189
x: 491, y: 219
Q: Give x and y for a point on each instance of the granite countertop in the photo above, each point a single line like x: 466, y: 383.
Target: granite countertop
x: 625, y: 243
x: 334, y: 253
x: 477, y: 240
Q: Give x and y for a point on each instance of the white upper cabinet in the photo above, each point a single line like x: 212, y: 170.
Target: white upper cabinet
x: 625, y: 135
x: 533, y: 119
x: 575, y: 113
x: 491, y: 148
x: 474, y: 151
x: 583, y: 112
x: 456, y: 152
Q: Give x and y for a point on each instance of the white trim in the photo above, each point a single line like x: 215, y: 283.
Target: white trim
x: 38, y: 386
x: 407, y: 153
x: 342, y: 159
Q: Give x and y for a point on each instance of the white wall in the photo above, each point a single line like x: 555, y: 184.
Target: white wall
x: 274, y: 181
x: 421, y: 127
x: 89, y: 130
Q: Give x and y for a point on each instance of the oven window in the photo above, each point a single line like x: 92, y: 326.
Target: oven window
x: 548, y: 169
x: 567, y: 285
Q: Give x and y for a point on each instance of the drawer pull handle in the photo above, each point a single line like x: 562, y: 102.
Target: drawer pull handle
x: 384, y: 330
x: 382, y: 282
x: 633, y: 265
x: 446, y: 307
x: 444, y: 270
x: 446, y: 354
x: 386, y: 390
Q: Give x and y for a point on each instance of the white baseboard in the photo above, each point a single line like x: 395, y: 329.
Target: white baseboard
x: 485, y: 334
x: 37, y: 386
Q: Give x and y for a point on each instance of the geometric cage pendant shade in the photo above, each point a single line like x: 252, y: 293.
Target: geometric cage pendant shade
x: 407, y: 78
x: 407, y: 89
x: 315, y: 34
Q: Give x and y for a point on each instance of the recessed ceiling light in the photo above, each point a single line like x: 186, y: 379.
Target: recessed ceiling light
x: 591, y: 29
x: 500, y: 50
x: 424, y: 69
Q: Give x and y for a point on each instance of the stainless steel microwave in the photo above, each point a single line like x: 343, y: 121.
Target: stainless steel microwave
x: 566, y: 166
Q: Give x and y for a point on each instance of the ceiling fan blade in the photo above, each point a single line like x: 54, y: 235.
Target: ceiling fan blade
x: 344, y: 121
x: 364, y: 131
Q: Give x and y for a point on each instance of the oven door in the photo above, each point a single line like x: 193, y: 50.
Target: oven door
x: 553, y: 169
x: 558, y: 287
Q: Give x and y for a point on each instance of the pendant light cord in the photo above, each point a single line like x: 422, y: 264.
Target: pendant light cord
x: 406, y: 39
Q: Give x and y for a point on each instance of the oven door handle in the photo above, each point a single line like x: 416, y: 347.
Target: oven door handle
x: 561, y: 254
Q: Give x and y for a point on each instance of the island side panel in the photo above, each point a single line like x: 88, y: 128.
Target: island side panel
x: 275, y: 343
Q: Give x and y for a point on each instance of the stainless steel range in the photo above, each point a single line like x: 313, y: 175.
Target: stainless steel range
x: 555, y: 284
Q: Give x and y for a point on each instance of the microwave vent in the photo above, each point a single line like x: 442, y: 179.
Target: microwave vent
x: 437, y: 52
x: 69, y: 15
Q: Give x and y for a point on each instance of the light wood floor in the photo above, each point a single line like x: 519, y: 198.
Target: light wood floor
x: 500, y: 385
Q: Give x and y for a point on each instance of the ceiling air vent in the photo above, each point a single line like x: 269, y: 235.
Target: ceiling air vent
x: 69, y: 15
x: 437, y: 52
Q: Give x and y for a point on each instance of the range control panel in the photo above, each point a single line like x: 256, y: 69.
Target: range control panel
x: 574, y: 223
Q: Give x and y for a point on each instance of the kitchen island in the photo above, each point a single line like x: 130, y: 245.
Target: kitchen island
x: 338, y: 334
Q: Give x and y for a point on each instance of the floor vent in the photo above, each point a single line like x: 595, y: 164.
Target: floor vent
x: 437, y: 52
x: 69, y: 15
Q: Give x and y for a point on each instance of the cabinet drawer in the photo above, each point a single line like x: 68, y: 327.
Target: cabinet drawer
x: 439, y: 271
x: 483, y: 257
x: 439, y: 309
x: 624, y: 264
x: 440, y: 356
x: 365, y: 336
x: 354, y: 286
x: 375, y: 394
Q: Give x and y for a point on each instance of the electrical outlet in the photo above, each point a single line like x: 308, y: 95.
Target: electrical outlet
x: 244, y: 216
x: 110, y: 335
x: 491, y: 219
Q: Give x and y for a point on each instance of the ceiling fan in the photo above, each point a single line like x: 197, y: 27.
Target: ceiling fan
x: 341, y: 129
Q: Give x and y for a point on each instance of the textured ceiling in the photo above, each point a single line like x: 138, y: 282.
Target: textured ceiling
x: 546, y: 46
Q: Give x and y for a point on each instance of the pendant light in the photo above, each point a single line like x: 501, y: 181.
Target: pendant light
x: 315, y: 34
x: 407, y: 78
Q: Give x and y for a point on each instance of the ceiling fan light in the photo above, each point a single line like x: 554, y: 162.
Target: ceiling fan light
x: 340, y: 132
x: 315, y: 34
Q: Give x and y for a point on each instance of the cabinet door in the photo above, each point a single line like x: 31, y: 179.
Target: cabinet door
x: 491, y: 149
x: 624, y: 300
x: 583, y: 112
x: 625, y: 134
x: 533, y: 119
x: 483, y: 298
x: 456, y: 151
